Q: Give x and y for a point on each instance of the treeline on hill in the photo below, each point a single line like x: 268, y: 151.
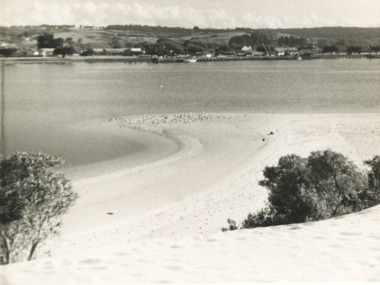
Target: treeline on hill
x: 338, y: 35
x: 153, y: 30
x: 262, y: 40
x: 326, y: 184
x: 167, y: 31
x: 157, y: 40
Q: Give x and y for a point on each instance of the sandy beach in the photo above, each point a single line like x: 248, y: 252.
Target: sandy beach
x: 158, y: 217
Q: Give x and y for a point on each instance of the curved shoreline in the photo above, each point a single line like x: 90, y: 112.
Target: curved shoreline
x: 186, y: 146
x: 172, y: 169
x: 224, y: 154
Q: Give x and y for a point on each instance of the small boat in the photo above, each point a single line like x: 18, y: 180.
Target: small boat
x: 193, y: 59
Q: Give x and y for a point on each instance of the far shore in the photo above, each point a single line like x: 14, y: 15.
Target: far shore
x: 160, y: 221
x: 151, y: 59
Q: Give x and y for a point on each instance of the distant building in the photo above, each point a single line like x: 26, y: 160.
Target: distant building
x: 114, y: 51
x: 293, y: 51
x: 99, y: 51
x: 136, y: 50
x: 308, y: 53
x: 246, y: 48
x: 133, y: 51
x: 282, y: 51
x: 286, y: 51
x: 45, y: 52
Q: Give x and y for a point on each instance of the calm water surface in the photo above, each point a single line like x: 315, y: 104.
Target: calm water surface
x: 44, y: 103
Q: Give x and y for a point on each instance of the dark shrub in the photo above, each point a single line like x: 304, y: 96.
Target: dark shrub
x: 287, y: 183
x: 321, y: 186
x: 231, y: 226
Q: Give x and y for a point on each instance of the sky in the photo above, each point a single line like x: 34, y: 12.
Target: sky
x: 201, y: 13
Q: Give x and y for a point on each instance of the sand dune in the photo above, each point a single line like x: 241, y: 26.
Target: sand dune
x: 160, y: 221
x: 338, y: 250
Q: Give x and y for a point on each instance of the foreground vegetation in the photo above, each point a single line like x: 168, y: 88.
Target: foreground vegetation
x: 32, y: 200
x: 326, y: 184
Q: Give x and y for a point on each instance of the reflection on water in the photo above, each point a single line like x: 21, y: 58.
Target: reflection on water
x: 44, y: 103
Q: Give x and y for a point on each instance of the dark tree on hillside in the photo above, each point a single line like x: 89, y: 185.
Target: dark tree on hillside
x: 194, y: 46
x: 376, y: 49
x: 263, y: 48
x: 255, y: 38
x: 260, y: 49
x: 221, y: 49
x: 116, y: 42
x: 168, y: 47
x: 6, y: 52
x: 150, y: 48
x: 354, y: 49
x: 88, y: 52
x: 47, y: 40
x: 66, y: 50
x: 291, y: 41
x: 58, y: 42
x: 330, y: 49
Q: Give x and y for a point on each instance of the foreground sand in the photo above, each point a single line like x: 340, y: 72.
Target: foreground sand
x: 338, y: 250
x: 160, y: 221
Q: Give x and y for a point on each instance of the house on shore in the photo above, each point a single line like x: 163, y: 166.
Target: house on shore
x: 246, y: 49
x: 281, y: 51
x: 44, y: 52
x: 99, y: 51
x: 286, y: 51
x: 134, y: 51
x: 114, y: 51
x: 307, y: 53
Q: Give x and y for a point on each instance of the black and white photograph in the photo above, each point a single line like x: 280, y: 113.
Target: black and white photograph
x: 199, y: 142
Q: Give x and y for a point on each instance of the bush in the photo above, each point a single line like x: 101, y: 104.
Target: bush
x: 323, y: 185
x: 288, y: 183
x: 32, y: 200
x: 66, y: 50
x: 336, y: 182
x: 265, y: 217
x: 374, y: 174
x: 372, y: 194
x: 231, y: 226
x: 7, y: 52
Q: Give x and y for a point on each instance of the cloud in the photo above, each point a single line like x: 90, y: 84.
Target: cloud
x: 95, y: 12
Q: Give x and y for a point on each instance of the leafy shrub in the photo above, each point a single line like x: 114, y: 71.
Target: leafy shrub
x: 232, y: 226
x: 372, y: 194
x: 337, y: 183
x: 265, y: 217
x: 323, y: 185
x: 32, y: 200
x: 374, y: 174
x: 288, y: 183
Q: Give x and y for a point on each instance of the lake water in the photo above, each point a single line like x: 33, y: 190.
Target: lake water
x: 45, y: 102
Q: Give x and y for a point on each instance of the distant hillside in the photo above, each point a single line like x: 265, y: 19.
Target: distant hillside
x: 356, y: 36
x: 165, y: 40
